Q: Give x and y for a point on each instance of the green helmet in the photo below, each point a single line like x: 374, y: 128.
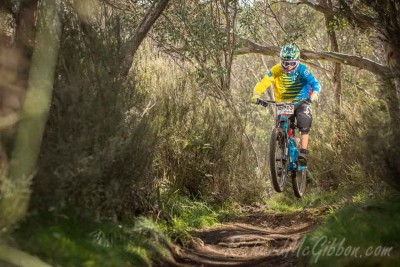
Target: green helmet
x: 290, y: 52
x: 290, y: 58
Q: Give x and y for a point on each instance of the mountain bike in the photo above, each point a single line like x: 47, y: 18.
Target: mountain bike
x: 284, y: 151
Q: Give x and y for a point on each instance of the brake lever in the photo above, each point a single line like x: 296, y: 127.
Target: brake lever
x: 262, y: 103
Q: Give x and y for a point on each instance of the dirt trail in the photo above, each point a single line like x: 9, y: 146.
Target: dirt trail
x: 253, y: 240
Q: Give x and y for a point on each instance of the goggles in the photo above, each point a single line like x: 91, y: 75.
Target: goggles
x: 289, y: 63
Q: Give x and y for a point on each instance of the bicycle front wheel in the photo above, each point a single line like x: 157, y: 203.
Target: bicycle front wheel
x: 277, y: 159
x: 299, y: 182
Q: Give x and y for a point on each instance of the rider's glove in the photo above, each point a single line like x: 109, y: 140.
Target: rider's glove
x: 314, y: 97
x: 255, y: 98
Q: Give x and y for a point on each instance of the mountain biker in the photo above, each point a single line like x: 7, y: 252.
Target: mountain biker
x: 293, y: 82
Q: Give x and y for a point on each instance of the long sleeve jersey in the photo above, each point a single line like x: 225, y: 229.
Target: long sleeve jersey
x: 289, y: 87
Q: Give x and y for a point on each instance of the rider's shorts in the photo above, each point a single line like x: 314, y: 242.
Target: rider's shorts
x: 303, y: 115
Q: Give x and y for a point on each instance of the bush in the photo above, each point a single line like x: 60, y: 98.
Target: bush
x: 61, y: 240
x: 99, y: 143
x: 360, y: 226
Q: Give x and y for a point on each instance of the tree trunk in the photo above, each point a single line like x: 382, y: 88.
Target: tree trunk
x: 24, y: 35
x: 15, y: 73
x: 15, y: 189
x: 230, y: 13
x: 148, y: 21
x: 337, y: 82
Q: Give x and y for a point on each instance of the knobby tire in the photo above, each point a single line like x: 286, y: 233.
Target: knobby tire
x: 278, y: 144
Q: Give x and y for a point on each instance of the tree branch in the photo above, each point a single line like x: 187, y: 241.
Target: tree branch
x: 152, y: 15
x: 150, y: 18
x: 350, y: 60
x: 337, y: 77
x: 358, y: 19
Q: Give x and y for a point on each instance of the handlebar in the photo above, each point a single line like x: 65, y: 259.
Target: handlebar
x: 265, y: 103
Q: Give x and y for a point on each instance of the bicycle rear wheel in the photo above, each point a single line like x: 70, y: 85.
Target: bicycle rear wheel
x: 277, y: 159
x: 299, y: 182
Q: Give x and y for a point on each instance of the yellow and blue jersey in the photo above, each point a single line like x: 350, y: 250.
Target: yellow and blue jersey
x: 289, y: 87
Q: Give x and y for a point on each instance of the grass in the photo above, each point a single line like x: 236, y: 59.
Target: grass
x: 63, y: 241
x: 317, y: 197
x: 364, y: 226
x: 187, y: 214
x: 287, y: 202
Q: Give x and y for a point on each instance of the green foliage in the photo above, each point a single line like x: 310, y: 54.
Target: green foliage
x: 314, y: 198
x: 186, y: 214
x: 64, y: 241
x: 195, y: 214
x: 201, y: 146
x: 364, y: 225
x: 98, y: 143
x: 342, y: 147
x: 249, y: 21
x: 337, y: 24
x: 203, y: 34
x: 320, y: 197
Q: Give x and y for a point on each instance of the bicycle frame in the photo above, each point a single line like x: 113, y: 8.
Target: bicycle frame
x: 283, y: 122
x: 292, y: 152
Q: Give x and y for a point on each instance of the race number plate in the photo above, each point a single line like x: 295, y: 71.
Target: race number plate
x: 285, y: 109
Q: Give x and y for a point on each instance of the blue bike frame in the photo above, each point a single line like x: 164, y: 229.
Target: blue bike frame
x: 292, y: 153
